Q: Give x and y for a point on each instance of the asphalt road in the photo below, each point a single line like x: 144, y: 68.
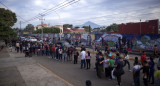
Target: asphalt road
x: 25, y: 71
x: 76, y: 76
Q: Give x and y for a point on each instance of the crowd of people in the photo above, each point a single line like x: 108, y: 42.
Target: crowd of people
x: 112, y: 66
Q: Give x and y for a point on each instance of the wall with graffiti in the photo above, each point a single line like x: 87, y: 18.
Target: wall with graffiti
x: 143, y: 41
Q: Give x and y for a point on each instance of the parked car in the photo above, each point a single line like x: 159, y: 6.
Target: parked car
x: 32, y: 39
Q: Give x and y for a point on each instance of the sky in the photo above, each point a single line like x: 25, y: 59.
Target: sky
x: 77, y: 12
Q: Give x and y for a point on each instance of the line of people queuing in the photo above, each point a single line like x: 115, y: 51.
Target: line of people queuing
x: 113, y: 66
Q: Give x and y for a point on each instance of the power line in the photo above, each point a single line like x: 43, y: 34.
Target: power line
x: 10, y: 9
x: 113, y: 14
x: 56, y: 8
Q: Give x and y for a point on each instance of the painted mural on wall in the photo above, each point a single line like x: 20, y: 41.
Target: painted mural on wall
x: 86, y: 39
x: 144, y: 41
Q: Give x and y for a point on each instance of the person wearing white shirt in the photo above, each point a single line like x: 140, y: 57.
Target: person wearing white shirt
x: 83, y: 54
x: 106, y: 66
x: 126, y: 60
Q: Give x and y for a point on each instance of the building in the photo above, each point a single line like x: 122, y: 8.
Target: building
x: 74, y: 30
x: 60, y: 27
x: 40, y: 26
x: 147, y: 27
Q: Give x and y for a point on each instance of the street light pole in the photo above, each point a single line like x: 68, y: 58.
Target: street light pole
x: 42, y: 24
x: 140, y: 26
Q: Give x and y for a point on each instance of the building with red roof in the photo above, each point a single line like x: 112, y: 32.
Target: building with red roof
x: 74, y: 30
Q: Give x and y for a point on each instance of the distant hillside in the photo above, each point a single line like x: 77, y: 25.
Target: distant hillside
x: 93, y: 25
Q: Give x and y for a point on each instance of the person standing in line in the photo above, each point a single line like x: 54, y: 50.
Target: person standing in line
x: 119, y: 70
x: 88, y: 59
x: 64, y: 53
x: 53, y: 51
x: 57, y: 53
x: 68, y: 54
x: 117, y: 58
x: 151, y: 70
x: 17, y: 47
x: 42, y: 49
x: 83, y: 54
x: 76, y: 54
x: 145, y: 73
x: 50, y: 50
x: 34, y: 47
x: 143, y: 57
x: 111, y: 65
x: 126, y: 60
x: 106, y: 66
x: 31, y: 50
x: 39, y: 49
x: 71, y: 53
x: 158, y: 63
x: 60, y: 53
x: 47, y: 50
x: 100, y: 61
x: 21, y: 47
x: 10, y: 46
x: 157, y: 75
x: 155, y: 51
x: 136, y: 74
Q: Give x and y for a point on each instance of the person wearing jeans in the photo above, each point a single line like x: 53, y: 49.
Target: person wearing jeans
x: 83, y: 54
x: 126, y: 60
x: 88, y: 59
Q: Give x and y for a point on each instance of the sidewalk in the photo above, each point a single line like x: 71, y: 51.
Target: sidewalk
x: 16, y: 70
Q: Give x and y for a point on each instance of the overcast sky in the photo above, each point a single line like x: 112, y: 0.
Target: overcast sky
x: 102, y: 12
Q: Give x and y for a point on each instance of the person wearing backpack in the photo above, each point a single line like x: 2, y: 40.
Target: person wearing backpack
x: 118, y: 72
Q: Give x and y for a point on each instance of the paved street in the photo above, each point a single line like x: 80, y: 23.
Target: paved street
x: 43, y: 71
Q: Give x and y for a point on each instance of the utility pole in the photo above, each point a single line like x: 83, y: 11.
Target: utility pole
x: 140, y: 26
x: 42, y: 24
x: 19, y: 28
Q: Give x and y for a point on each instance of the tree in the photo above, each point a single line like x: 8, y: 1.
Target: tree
x: 90, y: 29
x: 112, y: 28
x: 7, y: 20
x: 87, y: 28
x: 48, y: 30
x: 76, y: 27
x: 67, y: 26
x: 29, y: 28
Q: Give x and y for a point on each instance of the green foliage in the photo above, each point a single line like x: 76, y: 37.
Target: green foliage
x: 48, y: 30
x: 67, y: 26
x: 90, y: 29
x: 87, y: 28
x: 96, y: 29
x: 76, y: 27
x: 112, y: 28
x: 7, y: 17
x: 7, y: 20
x: 29, y: 28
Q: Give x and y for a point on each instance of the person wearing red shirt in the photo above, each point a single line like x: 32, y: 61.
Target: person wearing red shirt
x: 54, y: 51
x: 143, y: 57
